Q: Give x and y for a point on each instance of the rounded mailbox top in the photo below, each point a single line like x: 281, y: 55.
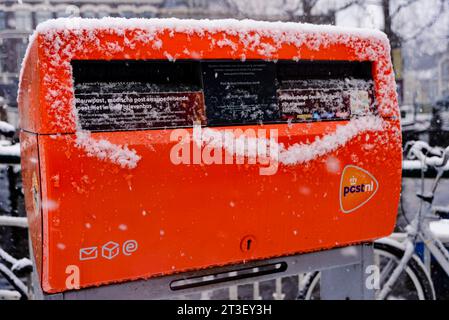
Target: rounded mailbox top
x: 46, y: 91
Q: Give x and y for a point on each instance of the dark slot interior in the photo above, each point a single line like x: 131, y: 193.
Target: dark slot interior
x: 180, y: 73
x: 323, y: 70
x: 226, y: 277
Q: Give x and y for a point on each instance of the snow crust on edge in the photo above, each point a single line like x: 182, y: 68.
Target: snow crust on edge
x: 295, y: 154
x: 301, y: 153
x: 248, y: 32
x: 199, y: 26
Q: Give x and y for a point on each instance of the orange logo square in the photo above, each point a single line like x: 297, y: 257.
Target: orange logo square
x: 357, y: 187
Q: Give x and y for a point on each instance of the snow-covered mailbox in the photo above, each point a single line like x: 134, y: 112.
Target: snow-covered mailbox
x: 153, y: 147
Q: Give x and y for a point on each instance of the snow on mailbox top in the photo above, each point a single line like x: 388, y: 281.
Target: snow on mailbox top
x: 47, y: 72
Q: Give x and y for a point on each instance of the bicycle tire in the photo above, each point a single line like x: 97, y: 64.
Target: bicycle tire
x: 415, y: 266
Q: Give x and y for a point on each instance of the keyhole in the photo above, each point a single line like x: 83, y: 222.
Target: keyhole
x: 247, y: 244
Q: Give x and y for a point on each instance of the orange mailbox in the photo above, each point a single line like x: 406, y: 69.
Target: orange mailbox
x: 151, y: 147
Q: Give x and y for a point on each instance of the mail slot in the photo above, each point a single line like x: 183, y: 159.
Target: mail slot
x: 154, y: 147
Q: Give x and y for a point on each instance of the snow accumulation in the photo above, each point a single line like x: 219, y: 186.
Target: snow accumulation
x: 13, y: 221
x: 191, y: 25
x: 107, y: 151
x: 300, y: 153
x: 17, y: 264
x: 5, y: 127
x: 10, y: 151
x: 9, y: 295
x: 21, y: 264
x: 412, y: 165
x: 294, y: 154
x: 64, y: 39
x: 440, y: 229
x: 19, y: 284
x: 418, y: 164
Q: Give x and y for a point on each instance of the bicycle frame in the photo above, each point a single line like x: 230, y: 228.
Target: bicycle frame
x: 419, y: 228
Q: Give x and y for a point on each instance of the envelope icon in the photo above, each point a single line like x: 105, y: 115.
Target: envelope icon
x: 90, y: 253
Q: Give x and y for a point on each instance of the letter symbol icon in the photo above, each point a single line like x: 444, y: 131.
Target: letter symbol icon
x: 90, y: 253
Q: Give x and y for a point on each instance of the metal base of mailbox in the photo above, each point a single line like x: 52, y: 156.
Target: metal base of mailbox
x: 343, y: 277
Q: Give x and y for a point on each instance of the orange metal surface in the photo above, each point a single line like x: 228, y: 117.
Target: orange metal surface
x: 31, y: 178
x: 185, y: 217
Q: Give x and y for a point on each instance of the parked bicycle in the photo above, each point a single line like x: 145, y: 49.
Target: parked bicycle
x: 14, y: 273
x: 403, y: 275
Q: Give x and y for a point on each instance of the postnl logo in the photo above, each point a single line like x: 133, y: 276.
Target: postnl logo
x: 357, y: 187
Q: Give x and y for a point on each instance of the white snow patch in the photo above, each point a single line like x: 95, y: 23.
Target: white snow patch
x: 440, y: 229
x: 21, y: 264
x: 6, y: 127
x: 107, y: 151
x: 301, y: 153
x: 296, y: 153
x: 12, y: 151
x: 13, y: 221
x: 190, y: 26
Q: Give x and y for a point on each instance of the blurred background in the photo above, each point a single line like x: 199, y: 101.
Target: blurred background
x: 418, y: 31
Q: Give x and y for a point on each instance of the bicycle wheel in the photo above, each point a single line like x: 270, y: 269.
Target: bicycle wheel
x: 413, y: 284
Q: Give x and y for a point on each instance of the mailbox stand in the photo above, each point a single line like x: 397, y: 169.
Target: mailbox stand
x: 343, y: 277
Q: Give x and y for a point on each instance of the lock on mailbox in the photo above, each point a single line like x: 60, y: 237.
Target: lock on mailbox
x: 151, y: 147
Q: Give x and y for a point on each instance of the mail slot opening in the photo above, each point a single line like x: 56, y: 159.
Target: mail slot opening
x: 129, y: 95
x: 223, y: 277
